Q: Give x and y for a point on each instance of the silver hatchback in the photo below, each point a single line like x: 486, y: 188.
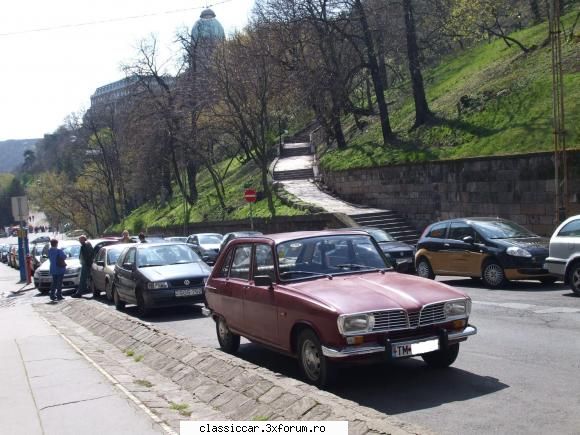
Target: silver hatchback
x: 564, y: 257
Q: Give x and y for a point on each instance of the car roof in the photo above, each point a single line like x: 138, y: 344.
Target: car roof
x: 283, y: 237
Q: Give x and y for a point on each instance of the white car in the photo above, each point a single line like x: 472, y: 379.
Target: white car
x: 43, y: 278
x: 564, y: 258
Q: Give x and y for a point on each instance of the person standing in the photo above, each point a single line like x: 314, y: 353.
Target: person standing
x: 86, y: 257
x: 125, y: 237
x: 142, y: 238
x: 57, y: 259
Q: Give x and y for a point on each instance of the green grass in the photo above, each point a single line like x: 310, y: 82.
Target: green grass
x: 5, y: 180
x: 129, y: 352
x: 144, y: 383
x: 515, y: 117
x: 207, y: 208
x: 138, y: 358
x: 182, y: 408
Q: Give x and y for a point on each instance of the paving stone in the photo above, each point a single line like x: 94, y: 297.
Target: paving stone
x: 301, y: 407
x: 318, y: 412
x: 271, y: 395
x: 207, y: 392
x: 285, y: 401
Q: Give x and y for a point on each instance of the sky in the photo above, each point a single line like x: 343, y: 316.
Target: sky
x: 45, y: 75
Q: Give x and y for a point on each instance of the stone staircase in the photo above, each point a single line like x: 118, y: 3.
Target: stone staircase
x: 297, y: 174
x: 391, y: 222
x: 295, y: 149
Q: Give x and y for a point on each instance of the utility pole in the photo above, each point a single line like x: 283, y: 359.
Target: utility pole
x: 559, y: 132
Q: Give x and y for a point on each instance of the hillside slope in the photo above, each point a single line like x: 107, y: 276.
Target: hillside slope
x: 507, y: 106
x: 239, y: 177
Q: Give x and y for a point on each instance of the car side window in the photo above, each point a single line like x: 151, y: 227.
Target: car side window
x: 459, y: 230
x: 438, y: 231
x: 571, y: 229
x: 101, y: 255
x: 225, y: 269
x: 240, y: 268
x: 130, y: 257
x: 264, y: 261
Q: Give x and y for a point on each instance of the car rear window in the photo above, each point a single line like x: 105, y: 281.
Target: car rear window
x: 571, y: 229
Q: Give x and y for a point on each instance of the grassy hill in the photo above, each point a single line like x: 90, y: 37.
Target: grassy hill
x: 240, y: 176
x: 510, y: 94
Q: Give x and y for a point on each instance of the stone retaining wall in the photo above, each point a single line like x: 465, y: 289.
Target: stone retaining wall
x: 230, y: 385
x: 279, y: 224
x: 520, y: 188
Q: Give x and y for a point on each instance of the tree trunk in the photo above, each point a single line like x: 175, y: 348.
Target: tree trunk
x: 337, y: 128
x: 422, y: 112
x: 267, y: 190
x: 191, y: 181
x: 375, y: 73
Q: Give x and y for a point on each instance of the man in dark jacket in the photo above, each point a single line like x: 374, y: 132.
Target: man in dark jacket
x: 86, y: 257
x: 57, y: 268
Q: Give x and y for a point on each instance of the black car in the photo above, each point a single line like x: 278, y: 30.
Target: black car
x: 495, y: 250
x: 401, y: 255
x: 158, y: 275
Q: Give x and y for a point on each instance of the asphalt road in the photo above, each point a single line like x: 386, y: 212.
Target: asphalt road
x: 519, y: 375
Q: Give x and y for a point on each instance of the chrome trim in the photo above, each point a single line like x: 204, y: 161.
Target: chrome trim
x: 207, y: 312
x: 468, y: 331
x: 364, y: 349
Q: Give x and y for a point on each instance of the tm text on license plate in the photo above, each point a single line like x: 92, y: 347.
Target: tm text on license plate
x: 410, y: 349
x: 188, y: 292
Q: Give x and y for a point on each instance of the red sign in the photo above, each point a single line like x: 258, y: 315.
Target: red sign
x: 250, y: 195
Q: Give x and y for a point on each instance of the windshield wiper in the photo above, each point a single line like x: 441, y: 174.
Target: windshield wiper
x: 354, y: 266
x: 179, y: 262
x: 305, y: 272
x: 150, y: 265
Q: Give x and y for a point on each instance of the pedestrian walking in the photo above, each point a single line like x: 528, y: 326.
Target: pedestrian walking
x: 57, y: 259
x: 86, y: 257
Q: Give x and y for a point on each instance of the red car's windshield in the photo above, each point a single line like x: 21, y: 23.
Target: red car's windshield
x: 329, y: 255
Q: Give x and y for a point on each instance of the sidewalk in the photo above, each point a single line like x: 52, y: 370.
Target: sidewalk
x: 48, y: 388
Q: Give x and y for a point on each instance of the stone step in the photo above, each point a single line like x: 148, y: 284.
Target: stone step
x: 288, y: 152
x: 391, y: 222
x: 297, y: 174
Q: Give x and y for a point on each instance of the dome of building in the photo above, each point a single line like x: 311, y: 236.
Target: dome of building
x: 207, y: 27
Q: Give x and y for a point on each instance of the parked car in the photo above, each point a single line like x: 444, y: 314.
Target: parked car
x: 564, y: 258
x: 330, y: 296
x: 495, y: 250
x: 4, y: 253
x: 158, y: 275
x: 230, y: 236
x: 71, y: 279
x: 41, y: 240
x: 103, y: 269
x: 176, y: 239
x: 401, y: 255
x: 209, y: 245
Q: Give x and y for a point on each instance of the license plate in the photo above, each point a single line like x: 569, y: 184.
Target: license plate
x: 410, y: 349
x: 188, y: 292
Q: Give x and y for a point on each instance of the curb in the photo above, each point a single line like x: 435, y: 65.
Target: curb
x: 237, y: 388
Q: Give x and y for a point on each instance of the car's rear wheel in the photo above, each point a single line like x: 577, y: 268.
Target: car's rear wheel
x: 229, y: 342
x: 316, y: 368
x: 142, y: 308
x: 547, y: 280
x: 574, y: 277
x: 119, y: 304
x: 424, y: 269
x: 493, y: 275
x: 108, y: 291
x: 442, y: 358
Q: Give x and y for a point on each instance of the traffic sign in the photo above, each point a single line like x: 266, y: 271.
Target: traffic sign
x: 20, y: 208
x: 250, y: 195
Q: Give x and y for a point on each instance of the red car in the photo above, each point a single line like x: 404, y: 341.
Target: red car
x: 330, y: 296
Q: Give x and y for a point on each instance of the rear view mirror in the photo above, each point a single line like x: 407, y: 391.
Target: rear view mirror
x: 263, y: 281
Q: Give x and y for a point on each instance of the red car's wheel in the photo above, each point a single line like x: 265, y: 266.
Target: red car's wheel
x: 317, y: 369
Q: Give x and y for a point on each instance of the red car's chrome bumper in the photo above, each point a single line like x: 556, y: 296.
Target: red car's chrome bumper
x: 372, y: 348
